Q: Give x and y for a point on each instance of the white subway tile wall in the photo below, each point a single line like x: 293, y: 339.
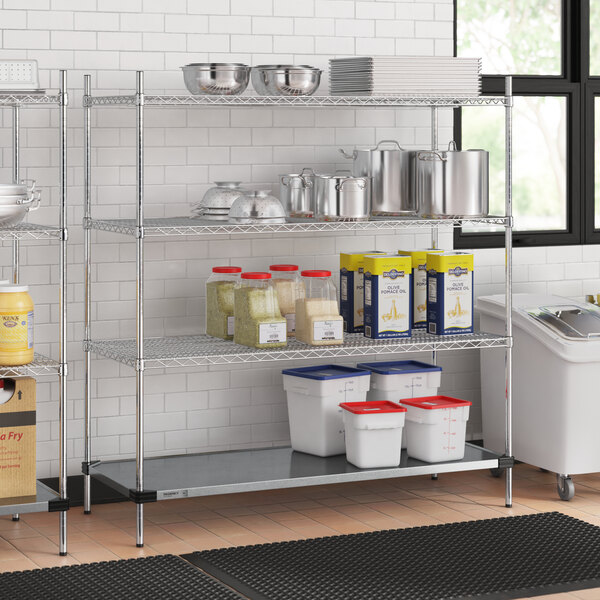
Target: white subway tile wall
x: 186, y: 149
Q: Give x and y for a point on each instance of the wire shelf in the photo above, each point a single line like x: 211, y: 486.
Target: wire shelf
x: 26, y: 99
x: 189, y: 226
x: 31, y: 231
x: 203, y: 350
x: 298, y: 101
x: 41, y: 365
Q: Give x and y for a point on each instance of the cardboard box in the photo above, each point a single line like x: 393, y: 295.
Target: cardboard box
x: 17, y: 439
x: 450, y: 293
x: 388, y: 296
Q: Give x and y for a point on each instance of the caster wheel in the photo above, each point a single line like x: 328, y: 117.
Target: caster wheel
x: 496, y: 472
x: 565, y: 487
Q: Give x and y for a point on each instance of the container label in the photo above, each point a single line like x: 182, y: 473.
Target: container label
x: 328, y: 330
x: 458, y: 299
x: 230, y: 325
x: 272, y: 333
x: 16, y: 331
x: 420, y: 296
x: 344, y: 288
x: 388, y: 304
x: 291, y: 322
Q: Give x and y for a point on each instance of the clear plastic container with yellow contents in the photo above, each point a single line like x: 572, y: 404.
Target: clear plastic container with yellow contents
x: 220, y: 321
x: 288, y: 287
x: 318, y: 320
x: 16, y: 325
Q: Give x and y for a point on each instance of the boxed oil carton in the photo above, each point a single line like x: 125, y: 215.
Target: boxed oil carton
x: 352, y: 290
x: 450, y: 293
x: 17, y: 437
x: 388, y: 296
x: 419, y: 273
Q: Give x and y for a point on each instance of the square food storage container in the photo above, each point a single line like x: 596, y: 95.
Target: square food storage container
x: 436, y: 427
x: 313, y: 397
x: 373, y: 433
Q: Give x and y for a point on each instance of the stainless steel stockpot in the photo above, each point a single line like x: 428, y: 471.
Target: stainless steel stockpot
x: 391, y: 171
x: 343, y: 198
x: 452, y: 183
x: 297, y: 193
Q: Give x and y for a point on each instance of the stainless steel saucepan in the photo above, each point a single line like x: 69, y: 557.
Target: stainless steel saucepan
x: 343, y: 198
x: 297, y: 193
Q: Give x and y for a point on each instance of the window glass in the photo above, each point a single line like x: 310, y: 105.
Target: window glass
x: 597, y: 162
x: 595, y: 37
x: 511, y: 37
x: 539, y: 160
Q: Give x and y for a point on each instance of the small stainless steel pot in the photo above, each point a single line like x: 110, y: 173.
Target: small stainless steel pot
x: 297, y: 193
x: 343, y: 198
x: 391, y: 172
x: 452, y: 183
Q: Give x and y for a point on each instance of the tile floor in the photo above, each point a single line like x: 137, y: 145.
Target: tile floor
x: 179, y: 526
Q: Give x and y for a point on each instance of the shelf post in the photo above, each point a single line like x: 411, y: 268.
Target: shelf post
x: 87, y: 260
x: 508, y: 283
x: 139, y: 245
x: 62, y: 266
x: 434, y: 229
x: 16, y: 124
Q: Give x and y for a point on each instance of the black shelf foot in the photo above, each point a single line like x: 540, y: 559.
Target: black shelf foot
x: 139, y: 545
x: 87, y: 512
x: 16, y: 519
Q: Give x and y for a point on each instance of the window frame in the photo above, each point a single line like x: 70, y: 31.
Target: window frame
x: 575, y: 85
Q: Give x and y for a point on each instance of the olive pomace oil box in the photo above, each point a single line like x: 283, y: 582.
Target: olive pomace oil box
x: 419, y: 273
x: 388, y: 296
x: 352, y: 289
x: 450, y: 293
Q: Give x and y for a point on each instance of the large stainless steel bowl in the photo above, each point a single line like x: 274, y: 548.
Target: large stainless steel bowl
x: 286, y: 80
x: 216, y: 79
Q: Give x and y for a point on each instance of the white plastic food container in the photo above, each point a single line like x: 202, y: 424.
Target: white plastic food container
x: 556, y: 375
x: 373, y: 433
x: 313, y: 397
x: 400, y: 379
x: 436, y: 427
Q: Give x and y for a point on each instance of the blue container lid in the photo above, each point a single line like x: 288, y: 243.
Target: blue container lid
x: 399, y: 367
x: 322, y: 372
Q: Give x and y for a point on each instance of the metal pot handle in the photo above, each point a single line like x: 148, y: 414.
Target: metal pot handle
x: 30, y: 183
x: 286, y: 180
x: 452, y: 146
x: 307, y: 171
x: 32, y: 202
x: 361, y: 181
x: 394, y: 142
x: 346, y: 155
x: 341, y: 171
x: 430, y: 156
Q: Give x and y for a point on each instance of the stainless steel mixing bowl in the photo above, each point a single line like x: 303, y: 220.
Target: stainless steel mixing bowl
x: 286, y: 80
x: 216, y: 79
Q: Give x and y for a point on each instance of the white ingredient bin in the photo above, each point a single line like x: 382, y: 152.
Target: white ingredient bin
x: 313, y: 397
x: 436, y: 428
x: 373, y: 433
x: 400, y: 379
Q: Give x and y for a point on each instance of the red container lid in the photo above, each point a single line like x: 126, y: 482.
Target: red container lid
x: 227, y: 269
x: 256, y: 275
x: 433, y: 402
x: 372, y: 408
x: 283, y: 267
x: 315, y: 273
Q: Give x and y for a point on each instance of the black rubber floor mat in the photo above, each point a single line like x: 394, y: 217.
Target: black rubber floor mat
x: 157, y: 577
x: 512, y: 557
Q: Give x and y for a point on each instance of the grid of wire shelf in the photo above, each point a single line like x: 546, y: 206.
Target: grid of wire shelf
x: 30, y: 231
x: 204, y: 350
x: 27, y: 99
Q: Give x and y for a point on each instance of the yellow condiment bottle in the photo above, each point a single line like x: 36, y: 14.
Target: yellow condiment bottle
x: 16, y: 325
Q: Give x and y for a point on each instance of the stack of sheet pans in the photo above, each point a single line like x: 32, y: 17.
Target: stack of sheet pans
x: 405, y: 76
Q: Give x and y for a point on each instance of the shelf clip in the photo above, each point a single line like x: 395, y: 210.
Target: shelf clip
x: 64, y: 234
x: 58, y: 504
x: 139, y: 99
x: 142, y: 496
x: 140, y: 364
x: 139, y: 232
x: 63, y: 369
x: 505, y: 462
x: 85, y: 466
x: 63, y: 98
x: 510, y: 222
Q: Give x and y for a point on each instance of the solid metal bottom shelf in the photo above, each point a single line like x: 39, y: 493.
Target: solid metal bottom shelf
x: 209, y: 474
x: 29, y: 504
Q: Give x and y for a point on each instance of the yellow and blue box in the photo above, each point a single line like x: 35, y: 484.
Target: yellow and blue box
x: 450, y: 293
x: 352, y: 290
x: 388, y: 296
x: 419, y: 273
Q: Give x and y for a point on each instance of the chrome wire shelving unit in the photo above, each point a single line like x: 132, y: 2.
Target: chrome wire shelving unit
x: 46, y: 499
x: 239, y: 471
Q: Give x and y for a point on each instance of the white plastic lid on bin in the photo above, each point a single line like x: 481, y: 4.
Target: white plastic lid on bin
x: 435, y: 402
x: 526, y: 310
x: 399, y: 367
x: 323, y: 372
